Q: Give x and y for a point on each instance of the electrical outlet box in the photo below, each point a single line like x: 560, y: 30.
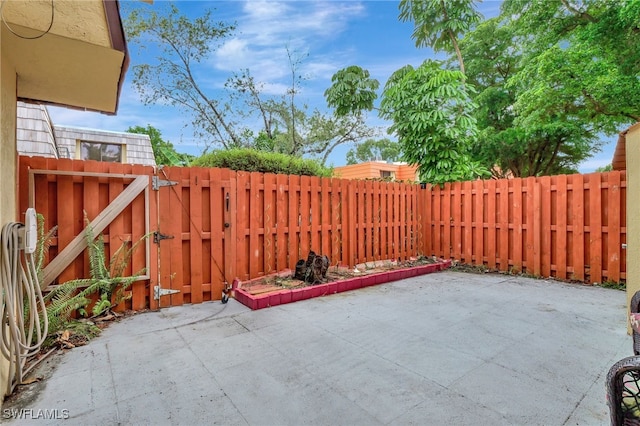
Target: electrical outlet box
x: 31, y: 230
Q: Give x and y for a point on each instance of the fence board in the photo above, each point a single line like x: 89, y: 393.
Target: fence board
x: 282, y: 191
x: 446, y: 220
x: 455, y: 219
x: 256, y: 225
x: 595, y: 228
x: 218, y: 232
x: 360, y: 223
x: 178, y: 268
x: 305, y: 216
x: 478, y: 259
x: 294, y: 221
x: 560, y: 211
x: 195, y: 238
x: 577, y: 202
x: 516, y: 235
x: 139, y: 229
x: 336, y: 211
x: 503, y: 223
x: 243, y: 221
x: 316, y: 219
x: 491, y: 224
x: 270, y: 213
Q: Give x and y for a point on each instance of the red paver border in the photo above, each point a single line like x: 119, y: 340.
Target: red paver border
x: 281, y: 297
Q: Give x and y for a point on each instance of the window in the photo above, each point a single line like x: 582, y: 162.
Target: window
x: 99, y: 151
x: 386, y: 174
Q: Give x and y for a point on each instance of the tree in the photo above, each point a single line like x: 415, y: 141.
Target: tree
x: 247, y: 117
x: 352, y: 91
x: 375, y: 149
x: 586, y: 55
x: 292, y: 129
x: 439, y: 23
x: 510, y: 142
x: 431, y: 111
x: 172, y: 79
x: 552, y: 77
x: 430, y: 108
x: 163, y: 151
x: 604, y: 169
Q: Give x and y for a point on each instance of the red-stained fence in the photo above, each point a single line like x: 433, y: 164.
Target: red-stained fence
x: 213, y: 225
x: 571, y: 227
x: 208, y: 226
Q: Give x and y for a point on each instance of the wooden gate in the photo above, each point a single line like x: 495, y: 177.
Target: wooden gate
x: 185, y: 214
x: 195, y: 236
x: 114, y: 197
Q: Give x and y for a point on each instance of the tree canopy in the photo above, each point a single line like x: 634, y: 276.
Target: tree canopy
x: 375, y: 149
x: 537, y: 88
x: 438, y: 23
x: 241, y: 114
x: 172, y: 79
x: 163, y: 151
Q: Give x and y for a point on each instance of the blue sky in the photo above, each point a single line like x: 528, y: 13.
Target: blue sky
x: 332, y: 35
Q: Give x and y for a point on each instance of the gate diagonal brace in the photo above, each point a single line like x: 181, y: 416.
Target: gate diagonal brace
x: 157, y: 183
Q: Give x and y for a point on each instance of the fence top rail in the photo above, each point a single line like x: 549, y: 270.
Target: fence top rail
x: 80, y: 173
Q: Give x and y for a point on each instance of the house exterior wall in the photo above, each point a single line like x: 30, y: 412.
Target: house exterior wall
x: 8, y: 163
x: 38, y: 136
x: 137, y: 148
x: 374, y: 169
x: 34, y: 133
x: 80, y: 62
x: 408, y: 172
x: 632, y: 152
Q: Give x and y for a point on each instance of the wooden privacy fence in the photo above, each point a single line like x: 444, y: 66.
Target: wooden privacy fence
x: 210, y: 226
x: 571, y: 227
x: 213, y: 225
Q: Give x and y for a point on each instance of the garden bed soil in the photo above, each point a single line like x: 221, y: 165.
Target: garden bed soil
x: 280, y: 288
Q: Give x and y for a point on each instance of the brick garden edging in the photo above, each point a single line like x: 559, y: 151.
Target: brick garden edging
x: 281, y: 297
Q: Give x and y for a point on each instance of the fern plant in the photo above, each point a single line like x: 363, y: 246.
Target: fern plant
x: 105, y: 280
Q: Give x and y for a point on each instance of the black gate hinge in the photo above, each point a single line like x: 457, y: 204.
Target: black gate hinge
x: 158, y: 236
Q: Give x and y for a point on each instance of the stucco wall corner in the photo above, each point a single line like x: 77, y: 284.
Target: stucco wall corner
x: 632, y: 149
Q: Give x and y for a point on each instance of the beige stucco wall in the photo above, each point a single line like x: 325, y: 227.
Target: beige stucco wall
x: 8, y: 164
x: 633, y: 205
x: 70, y: 17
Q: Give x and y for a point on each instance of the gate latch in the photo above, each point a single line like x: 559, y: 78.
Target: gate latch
x: 158, y: 236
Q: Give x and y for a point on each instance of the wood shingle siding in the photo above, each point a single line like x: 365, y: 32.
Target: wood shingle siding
x: 38, y: 136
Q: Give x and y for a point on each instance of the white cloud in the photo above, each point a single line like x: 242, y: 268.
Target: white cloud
x: 234, y: 50
x: 268, y: 28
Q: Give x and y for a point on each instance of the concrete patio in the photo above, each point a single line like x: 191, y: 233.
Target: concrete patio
x: 447, y: 348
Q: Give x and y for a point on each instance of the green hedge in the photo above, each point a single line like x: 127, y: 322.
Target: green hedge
x: 251, y: 160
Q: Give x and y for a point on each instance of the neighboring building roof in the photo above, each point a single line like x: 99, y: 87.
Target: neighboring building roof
x: 378, y: 169
x: 619, y: 160
x: 69, y: 53
x: 36, y: 135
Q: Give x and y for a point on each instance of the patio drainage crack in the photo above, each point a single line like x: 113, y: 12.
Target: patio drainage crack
x: 113, y: 381
x: 213, y: 376
x: 575, y: 407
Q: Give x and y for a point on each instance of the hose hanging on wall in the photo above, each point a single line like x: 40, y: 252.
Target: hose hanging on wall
x: 23, y: 312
